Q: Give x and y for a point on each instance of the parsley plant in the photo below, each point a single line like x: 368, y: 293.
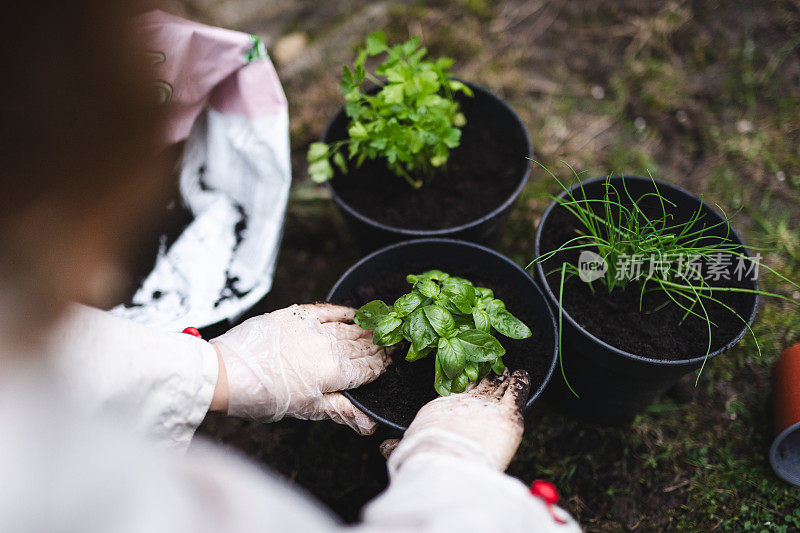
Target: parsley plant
x: 412, y: 121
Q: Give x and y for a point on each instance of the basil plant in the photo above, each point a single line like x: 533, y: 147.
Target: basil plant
x: 451, y: 318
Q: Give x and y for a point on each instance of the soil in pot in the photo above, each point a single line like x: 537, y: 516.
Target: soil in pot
x: 480, y: 175
x: 405, y: 387
x: 615, y: 318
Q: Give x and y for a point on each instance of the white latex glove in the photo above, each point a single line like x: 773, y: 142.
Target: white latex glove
x: 292, y: 362
x: 483, y: 424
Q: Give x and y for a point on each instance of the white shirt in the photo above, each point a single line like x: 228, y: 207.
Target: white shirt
x: 92, y: 440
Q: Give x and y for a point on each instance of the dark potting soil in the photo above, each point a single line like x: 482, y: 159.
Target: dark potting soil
x: 616, y: 319
x: 405, y: 387
x: 479, y: 176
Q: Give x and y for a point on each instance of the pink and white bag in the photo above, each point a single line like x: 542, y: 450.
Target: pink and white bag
x: 224, y: 99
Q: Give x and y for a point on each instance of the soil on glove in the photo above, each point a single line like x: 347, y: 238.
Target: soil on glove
x: 405, y: 387
x: 480, y: 175
x: 616, y: 319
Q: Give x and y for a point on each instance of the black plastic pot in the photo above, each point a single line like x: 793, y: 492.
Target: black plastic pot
x: 371, y: 234
x: 613, y: 384
x: 451, y: 255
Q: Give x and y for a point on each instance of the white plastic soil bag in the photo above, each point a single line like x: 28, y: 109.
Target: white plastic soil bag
x: 224, y: 98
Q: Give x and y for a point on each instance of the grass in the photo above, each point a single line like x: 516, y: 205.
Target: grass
x: 740, y: 500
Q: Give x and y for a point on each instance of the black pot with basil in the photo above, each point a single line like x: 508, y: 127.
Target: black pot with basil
x: 479, y: 308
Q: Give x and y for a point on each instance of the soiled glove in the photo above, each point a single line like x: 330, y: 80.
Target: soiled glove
x: 483, y: 424
x: 291, y: 362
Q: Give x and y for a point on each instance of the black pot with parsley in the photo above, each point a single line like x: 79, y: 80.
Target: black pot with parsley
x: 420, y: 153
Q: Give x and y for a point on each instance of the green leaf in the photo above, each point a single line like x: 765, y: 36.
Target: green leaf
x: 395, y: 76
x: 317, y: 151
x: 421, y: 332
x: 414, y: 355
x: 494, y: 305
x: 498, y: 367
x: 353, y: 103
x: 471, y: 370
x: 392, y: 94
x: 509, y: 325
x: 410, y: 45
x: 431, y: 100
x: 481, y: 319
x: 440, y: 381
x: 478, y: 346
x: 368, y: 316
x: 376, y: 43
x: 434, y: 274
x: 388, y: 331
x: 361, y: 59
x: 456, y: 85
x: 452, y: 138
x: 320, y: 171
x: 441, y: 320
x: 357, y: 131
x: 426, y: 82
x: 428, y: 288
x: 451, y: 357
x: 460, y: 292
x: 407, y: 303
x: 348, y: 82
x: 483, y: 293
x: 443, y: 63
x: 338, y: 160
x: 438, y: 160
x: 406, y: 330
x: 446, y: 304
x: 359, y: 74
x: 459, y: 383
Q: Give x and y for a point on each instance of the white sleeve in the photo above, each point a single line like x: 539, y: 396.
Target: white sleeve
x: 438, y: 492
x: 64, y: 472
x: 158, y: 383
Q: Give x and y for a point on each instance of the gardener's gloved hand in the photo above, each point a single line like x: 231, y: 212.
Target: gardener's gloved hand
x: 482, y: 424
x: 291, y: 362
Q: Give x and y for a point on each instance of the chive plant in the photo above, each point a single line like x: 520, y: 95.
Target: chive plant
x: 616, y: 227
